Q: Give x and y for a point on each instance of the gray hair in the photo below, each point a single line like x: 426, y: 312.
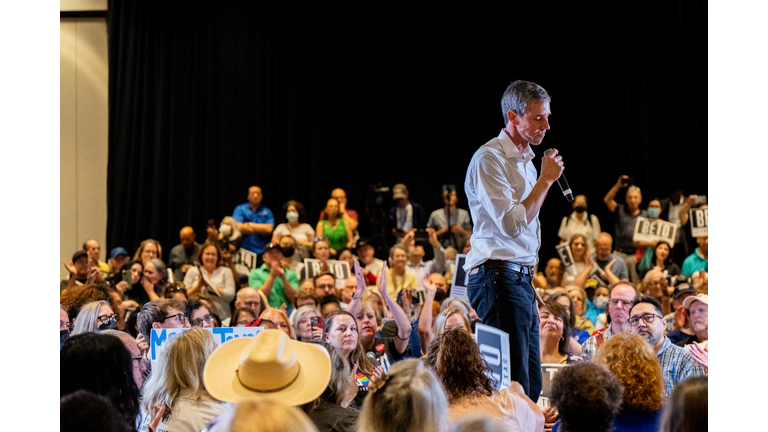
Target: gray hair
x: 88, y: 318
x: 518, y: 95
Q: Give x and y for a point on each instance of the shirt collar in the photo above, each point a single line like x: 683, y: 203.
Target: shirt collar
x: 510, y: 149
x: 664, y: 346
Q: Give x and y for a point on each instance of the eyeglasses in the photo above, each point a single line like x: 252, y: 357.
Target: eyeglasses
x: 180, y: 318
x: 199, y: 322
x: 647, y: 318
x: 65, y: 325
x: 139, y: 361
x: 252, y: 304
x: 108, y: 318
x: 619, y: 302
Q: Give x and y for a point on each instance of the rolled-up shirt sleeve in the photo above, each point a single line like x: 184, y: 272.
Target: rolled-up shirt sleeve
x: 498, y: 197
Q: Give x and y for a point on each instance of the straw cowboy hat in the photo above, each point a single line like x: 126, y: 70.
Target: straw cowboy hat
x: 268, y: 365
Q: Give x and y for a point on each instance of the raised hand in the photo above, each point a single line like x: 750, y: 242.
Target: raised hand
x: 360, y: 279
x: 599, y: 339
x: 700, y: 355
x: 351, y: 388
x: 429, y: 286
x: 383, y: 281
x: 375, y: 375
x: 70, y: 268
x: 620, y: 181
x: 432, y: 237
x: 122, y: 287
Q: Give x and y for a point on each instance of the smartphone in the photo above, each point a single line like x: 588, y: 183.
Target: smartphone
x: 421, y: 237
x: 700, y: 199
x: 629, y: 182
x: 316, y: 321
x: 127, y: 278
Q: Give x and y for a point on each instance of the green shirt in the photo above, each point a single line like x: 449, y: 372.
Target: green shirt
x: 336, y: 237
x: 258, y: 276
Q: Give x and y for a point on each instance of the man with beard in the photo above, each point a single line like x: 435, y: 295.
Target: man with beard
x: 698, y: 315
x: 621, y: 296
x: 677, y: 364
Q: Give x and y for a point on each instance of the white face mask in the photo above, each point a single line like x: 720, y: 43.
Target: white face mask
x: 225, y: 229
x: 601, y: 302
x: 292, y: 216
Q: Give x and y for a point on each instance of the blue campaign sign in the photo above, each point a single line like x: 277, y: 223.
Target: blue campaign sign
x: 160, y: 337
x: 494, y: 346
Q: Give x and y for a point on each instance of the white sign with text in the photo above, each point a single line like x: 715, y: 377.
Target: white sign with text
x: 460, y: 278
x: 699, y: 219
x: 654, y: 230
x: 340, y: 269
x: 160, y: 337
x: 494, y: 346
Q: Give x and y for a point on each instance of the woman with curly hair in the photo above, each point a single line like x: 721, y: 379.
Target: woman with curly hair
x: 456, y: 359
x: 634, y: 363
x: 587, y: 398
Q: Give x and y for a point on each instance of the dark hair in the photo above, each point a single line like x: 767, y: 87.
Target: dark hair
x: 206, y: 245
x: 236, y: 315
x: 74, y: 298
x: 83, y: 411
x: 194, y: 305
x: 559, y: 311
x: 155, y: 311
x: 650, y: 300
x: 314, y: 279
x: 587, y: 397
x: 572, y: 319
x: 670, y: 258
x: 687, y: 408
x: 519, y: 95
x: 101, y: 364
x: 216, y: 320
x: 303, y: 295
x: 463, y: 370
x: 172, y: 288
x: 329, y: 299
x: 299, y: 209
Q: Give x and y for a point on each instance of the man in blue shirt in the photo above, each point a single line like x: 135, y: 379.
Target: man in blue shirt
x: 699, y: 259
x: 254, y: 221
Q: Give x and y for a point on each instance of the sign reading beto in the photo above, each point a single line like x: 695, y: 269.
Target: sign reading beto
x: 494, y: 346
x: 160, y: 337
x: 647, y: 230
x: 459, y: 283
x: 340, y: 269
x: 699, y: 222
x: 245, y: 258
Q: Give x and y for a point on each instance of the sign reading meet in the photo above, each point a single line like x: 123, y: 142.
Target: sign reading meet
x: 699, y: 219
x: 460, y: 277
x: 340, y: 269
x: 160, y: 337
x: 647, y: 230
x: 494, y: 346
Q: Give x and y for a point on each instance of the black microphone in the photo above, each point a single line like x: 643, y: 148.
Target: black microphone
x: 563, y: 183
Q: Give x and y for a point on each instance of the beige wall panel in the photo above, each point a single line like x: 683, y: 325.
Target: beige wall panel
x: 82, y: 5
x: 68, y: 143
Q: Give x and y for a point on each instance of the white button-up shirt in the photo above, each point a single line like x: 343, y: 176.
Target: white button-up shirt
x: 498, y: 179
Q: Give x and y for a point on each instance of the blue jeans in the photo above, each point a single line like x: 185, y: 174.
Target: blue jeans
x: 505, y: 299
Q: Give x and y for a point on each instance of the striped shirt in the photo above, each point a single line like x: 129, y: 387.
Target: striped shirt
x: 677, y: 364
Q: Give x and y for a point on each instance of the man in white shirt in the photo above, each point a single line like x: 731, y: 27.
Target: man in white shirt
x: 504, y: 197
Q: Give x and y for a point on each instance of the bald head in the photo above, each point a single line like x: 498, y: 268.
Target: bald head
x: 250, y: 298
x: 339, y: 195
x: 91, y: 247
x: 603, y: 246
x: 187, y: 237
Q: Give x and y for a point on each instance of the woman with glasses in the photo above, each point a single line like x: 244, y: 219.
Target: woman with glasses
x: 95, y: 316
x: 175, y: 397
x: 147, y: 250
x: 217, y: 283
x: 199, y: 314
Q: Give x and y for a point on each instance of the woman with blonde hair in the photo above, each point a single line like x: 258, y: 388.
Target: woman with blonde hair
x: 409, y: 398
x: 305, y: 330
x: 452, y: 317
x: 579, y: 299
x: 265, y: 415
x: 633, y: 362
x: 280, y: 318
x: 330, y: 411
x: 95, y: 316
x: 457, y: 360
x: 174, y: 396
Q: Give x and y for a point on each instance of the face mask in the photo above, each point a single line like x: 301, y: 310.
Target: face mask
x: 63, y: 335
x: 112, y: 325
x: 292, y: 216
x: 654, y: 212
x: 288, y: 251
x: 601, y: 302
x: 580, y: 209
x: 225, y: 230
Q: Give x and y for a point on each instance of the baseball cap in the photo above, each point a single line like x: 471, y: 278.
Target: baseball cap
x: 698, y: 297
x: 682, y: 288
x: 273, y: 245
x: 78, y: 254
x: 399, y: 191
x: 118, y: 251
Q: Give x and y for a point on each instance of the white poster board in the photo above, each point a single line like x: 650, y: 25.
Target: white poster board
x: 654, y: 230
x: 699, y: 220
x: 159, y: 337
x: 564, y: 251
x: 460, y: 278
x: 548, y: 372
x: 245, y: 258
x: 340, y: 269
x: 494, y: 346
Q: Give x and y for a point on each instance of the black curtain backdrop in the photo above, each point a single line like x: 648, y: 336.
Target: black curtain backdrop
x: 207, y: 99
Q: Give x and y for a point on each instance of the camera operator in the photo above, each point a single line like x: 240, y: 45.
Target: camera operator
x: 452, y: 225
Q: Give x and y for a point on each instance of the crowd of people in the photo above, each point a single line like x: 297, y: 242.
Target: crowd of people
x: 388, y: 348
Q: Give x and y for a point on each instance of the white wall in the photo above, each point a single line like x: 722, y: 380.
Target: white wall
x: 84, y: 135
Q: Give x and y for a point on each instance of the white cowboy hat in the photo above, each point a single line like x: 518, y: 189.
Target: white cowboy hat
x: 268, y: 365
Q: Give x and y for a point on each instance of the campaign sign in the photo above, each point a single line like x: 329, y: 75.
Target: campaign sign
x: 460, y: 277
x: 654, y: 230
x: 246, y: 258
x: 494, y: 346
x: 340, y: 269
x: 160, y: 337
x: 548, y: 371
x: 699, y: 219
x: 564, y: 250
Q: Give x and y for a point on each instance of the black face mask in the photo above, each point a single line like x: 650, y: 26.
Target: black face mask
x: 112, y: 325
x: 580, y: 209
x: 63, y: 335
x: 288, y: 251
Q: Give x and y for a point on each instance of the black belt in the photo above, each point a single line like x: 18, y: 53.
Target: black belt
x: 498, y: 264
x: 626, y: 251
